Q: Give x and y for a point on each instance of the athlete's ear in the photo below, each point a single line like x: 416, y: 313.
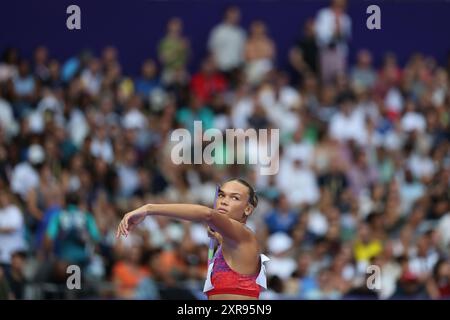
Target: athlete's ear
x: 248, y: 209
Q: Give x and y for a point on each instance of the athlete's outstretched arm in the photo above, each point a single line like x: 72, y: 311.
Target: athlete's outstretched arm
x: 228, y: 228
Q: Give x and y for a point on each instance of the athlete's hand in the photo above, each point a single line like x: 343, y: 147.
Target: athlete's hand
x: 130, y: 221
x: 214, y: 234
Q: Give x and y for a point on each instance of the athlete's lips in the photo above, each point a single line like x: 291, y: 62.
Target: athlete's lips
x: 222, y: 210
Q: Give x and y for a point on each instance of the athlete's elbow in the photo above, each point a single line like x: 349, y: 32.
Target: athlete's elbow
x: 208, y: 214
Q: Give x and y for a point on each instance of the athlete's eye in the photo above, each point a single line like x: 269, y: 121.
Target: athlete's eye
x: 235, y: 198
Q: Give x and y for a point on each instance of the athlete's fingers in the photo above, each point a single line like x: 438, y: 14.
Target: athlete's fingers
x: 210, y: 232
x: 125, y: 220
x: 213, y: 234
x: 120, y: 229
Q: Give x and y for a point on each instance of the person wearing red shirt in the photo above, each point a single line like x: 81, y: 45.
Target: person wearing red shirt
x: 208, y: 82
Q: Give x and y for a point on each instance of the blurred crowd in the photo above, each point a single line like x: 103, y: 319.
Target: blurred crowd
x: 364, y: 168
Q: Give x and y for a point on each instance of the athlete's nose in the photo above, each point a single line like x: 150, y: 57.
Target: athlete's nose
x: 224, y: 201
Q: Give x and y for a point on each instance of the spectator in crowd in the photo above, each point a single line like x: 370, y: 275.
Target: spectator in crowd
x: 16, y: 275
x: 333, y: 29
x: 335, y: 181
x: 282, y: 264
x: 366, y: 247
x: 24, y: 89
x: 196, y: 111
x: 127, y: 274
x: 298, y: 182
x: 8, y: 65
x: 5, y: 291
x: 208, y: 82
x: 363, y: 75
x: 438, y: 286
x: 41, y: 69
x: 7, y: 120
x: 282, y: 219
x: 227, y: 42
x: 148, y: 80
x: 281, y: 103
x: 348, y: 123
x: 12, y: 229
x: 304, y: 56
x: 91, y: 77
x: 30, y: 159
x: 173, y: 51
x: 72, y: 233
x: 259, y: 53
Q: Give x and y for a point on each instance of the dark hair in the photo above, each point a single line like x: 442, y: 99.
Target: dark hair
x: 19, y: 253
x: 253, y: 198
x: 72, y: 198
x: 436, y: 268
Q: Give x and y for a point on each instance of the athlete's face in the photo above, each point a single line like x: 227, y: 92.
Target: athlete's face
x: 233, y: 200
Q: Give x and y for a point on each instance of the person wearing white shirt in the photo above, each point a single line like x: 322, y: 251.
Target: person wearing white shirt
x: 333, y: 30
x: 227, y: 41
x: 423, y: 261
x: 24, y: 175
x: 101, y: 146
x: 421, y: 165
x: 7, y: 120
x: 412, y: 120
x: 77, y: 126
x: 299, y: 149
x: 281, y: 103
x: 134, y: 118
x: 349, y: 123
x: 298, y: 183
x: 242, y: 110
x: 91, y: 77
x: 282, y: 264
x: 128, y: 173
x: 442, y: 228
x: 11, y: 228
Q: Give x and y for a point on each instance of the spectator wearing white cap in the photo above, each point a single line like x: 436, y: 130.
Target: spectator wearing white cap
x: 281, y: 263
x: 25, y: 176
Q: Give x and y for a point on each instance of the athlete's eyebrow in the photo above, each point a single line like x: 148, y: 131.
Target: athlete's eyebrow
x: 231, y: 193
